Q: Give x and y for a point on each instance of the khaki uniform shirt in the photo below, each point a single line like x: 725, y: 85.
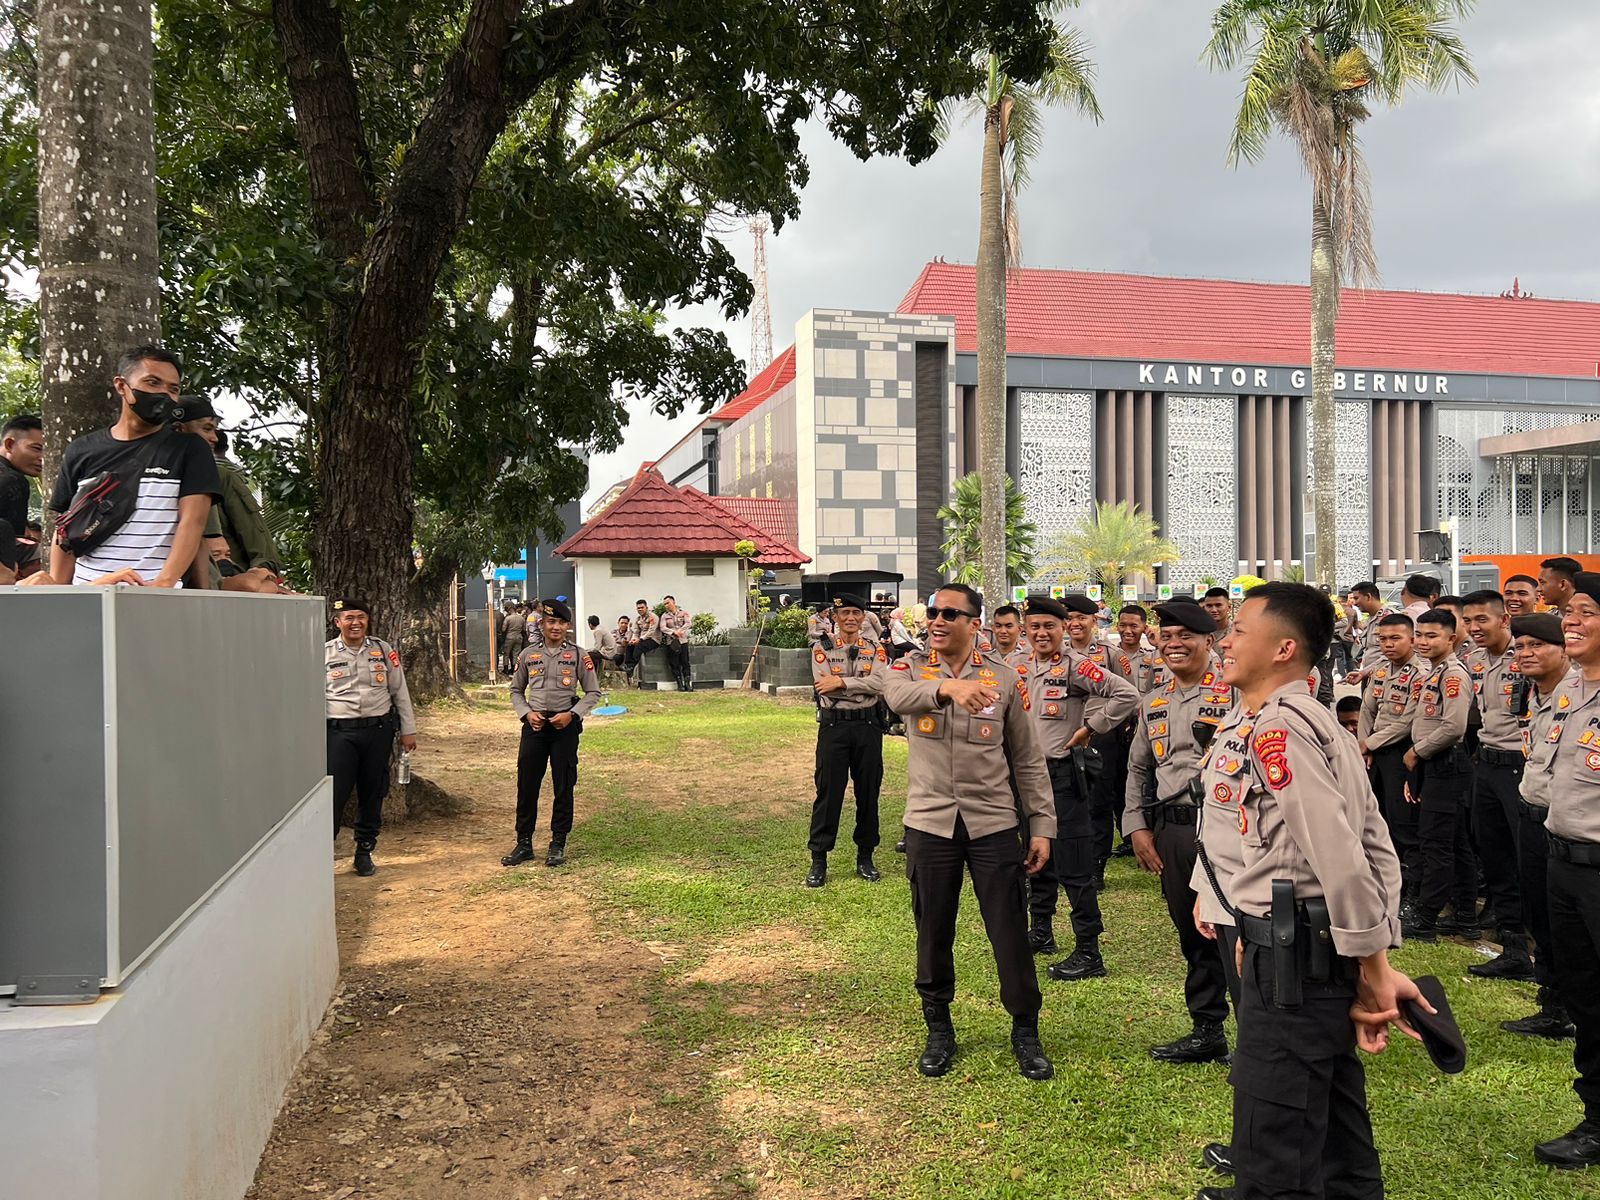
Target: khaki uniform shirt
x: 1444, y: 701
x: 1164, y: 743
x: 1068, y: 692
x: 647, y: 627
x: 516, y: 626
x: 1147, y: 672
x: 872, y: 625
x: 963, y: 764
x: 1538, y: 748
x: 547, y: 680
x: 1372, y: 653
x: 818, y: 625
x: 605, y: 643
x: 1494, y: 680
x: 1574, y: 767
x: 1388, y: 705
x: 1301, y: 802
x: 675, y: 626
x: 864, y: 674
x: 367, y: 682
x: 1102, y: 656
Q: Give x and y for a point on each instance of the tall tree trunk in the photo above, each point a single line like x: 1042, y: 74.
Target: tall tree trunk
x: 1321, y: 427
x: 99, y: 261
x: 991, y: 284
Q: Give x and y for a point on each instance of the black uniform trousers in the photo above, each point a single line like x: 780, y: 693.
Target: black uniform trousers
x: 847, y: 752
x: 935, y: 866
x: 1575, y: 929
x: 1204, y: 984
x: 1106, y: 800
x: 1495, y: 823
x: 1301, y: 1130
x: 1444, y: 852
x: 358, y: 759
x: 678, y: 659
x: 1389, y: 776
x: 1227, y: 941
x: 1073, y: 855
x: 1533, y: 862
x: 557, y: 748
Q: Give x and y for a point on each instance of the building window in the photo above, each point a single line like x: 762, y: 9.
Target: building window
x: 699, y: 566
x: 624, y: 568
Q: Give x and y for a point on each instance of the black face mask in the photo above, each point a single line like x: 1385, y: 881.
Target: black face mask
x: 153, y: 408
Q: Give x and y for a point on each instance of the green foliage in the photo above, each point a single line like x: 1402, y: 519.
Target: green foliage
x: 746, y: 548
x: 703, y: 631
x: 1117, y: 541
x: 787, y: 629
x: 963, y: 543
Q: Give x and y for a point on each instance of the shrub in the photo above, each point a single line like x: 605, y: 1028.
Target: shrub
x: 787, y: 629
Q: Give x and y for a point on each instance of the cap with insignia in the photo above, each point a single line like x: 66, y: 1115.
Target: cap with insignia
x: 849, y: 600
x: 351, y: 604
x: 1044, y: 606
x: 1187, y: 615
x: 192, y: 408
x: 1587, y: 583
x: 1079, y: 603
x: 556, y: 609
x: 1544, y: 627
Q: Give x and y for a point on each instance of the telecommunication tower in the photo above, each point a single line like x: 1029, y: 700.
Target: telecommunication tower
x: 761, y: 310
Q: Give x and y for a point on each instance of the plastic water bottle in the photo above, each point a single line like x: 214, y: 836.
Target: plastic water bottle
x: 403, y: 772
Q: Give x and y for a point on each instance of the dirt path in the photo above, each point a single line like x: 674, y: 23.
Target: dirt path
x: 486, y: 1041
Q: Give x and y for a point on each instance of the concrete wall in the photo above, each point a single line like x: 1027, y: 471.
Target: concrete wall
x: 608, y: 598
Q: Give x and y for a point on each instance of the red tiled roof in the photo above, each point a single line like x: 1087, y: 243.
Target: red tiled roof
x: 654, y: 519
x: 1083, y: 314
x: 773, y: 377
x: 774, y: 517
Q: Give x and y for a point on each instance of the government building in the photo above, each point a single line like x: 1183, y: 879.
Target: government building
x: 1188, y: 397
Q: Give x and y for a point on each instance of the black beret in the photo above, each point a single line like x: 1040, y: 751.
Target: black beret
x: 1441, y: 1036
x: 1588, y: 583
x: 352, y: 603
x: 1044, y: 606
x: 192, y: 408
x: 849, y: 600
x: 1546, y: 627
x: 556, y: 609
x: 1187, y: 614
x: 1079, y: 604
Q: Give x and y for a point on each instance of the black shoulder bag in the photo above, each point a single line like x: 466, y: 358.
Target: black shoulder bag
x: 104, y: 502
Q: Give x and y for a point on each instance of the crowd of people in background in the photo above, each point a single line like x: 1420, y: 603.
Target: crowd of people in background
x: 660, y: 630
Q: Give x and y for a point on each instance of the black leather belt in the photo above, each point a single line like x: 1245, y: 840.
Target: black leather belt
x: 357, y: 722
x: 1579, y: 854
x: 1532, y: 812
x: 1399, y: 747
x: 1174, y: 812
x: 1490, y: 757
x: 836, y: 716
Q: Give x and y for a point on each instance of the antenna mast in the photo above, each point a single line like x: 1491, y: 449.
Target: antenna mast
x: 761, y: 309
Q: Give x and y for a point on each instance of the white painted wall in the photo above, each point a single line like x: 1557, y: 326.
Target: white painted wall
x: 597, y: 592
x: 166, y: 1088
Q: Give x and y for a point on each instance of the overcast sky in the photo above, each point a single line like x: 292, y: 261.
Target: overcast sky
x: 1470, y: 189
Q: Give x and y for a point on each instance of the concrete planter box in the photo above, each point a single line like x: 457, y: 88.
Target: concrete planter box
x: 783, y: 668
x: 712, y: 664
x: 740, y: 642
x: 656, y: 668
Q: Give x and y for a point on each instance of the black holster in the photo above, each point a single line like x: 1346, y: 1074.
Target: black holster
x: 1285, y: 957
x: 1319, y: 957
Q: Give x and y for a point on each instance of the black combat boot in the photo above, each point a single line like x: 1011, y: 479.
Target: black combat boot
x: 522, y: 852
x: 363, y: 859
x: 866, y: 868
x: 1421, y: 928
x: 1218, y: 1157
x: 900, y: 846
x: 1042, y: 937
x: 1462, y: 923
x: 556, y: 855
x: 1032, y: 1061
x: 940, y: 1051
x: 1551, y: 1021
x: 1216, y: 1193
x: 1083, y: 963
x: 1513, y: 961
x: 818, y: 875
x: 1206, y: 1044
x: 1579, y: 1149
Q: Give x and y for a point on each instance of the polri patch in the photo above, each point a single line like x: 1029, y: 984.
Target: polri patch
x: 1270, y: 747
x: 1452, y: 687
x: 1091, y: 672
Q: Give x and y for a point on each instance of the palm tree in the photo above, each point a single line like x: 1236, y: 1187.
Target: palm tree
x: 1117, y: 541
x: 1314, y: 68
x: 964, y: 542
x: 1012, y: 119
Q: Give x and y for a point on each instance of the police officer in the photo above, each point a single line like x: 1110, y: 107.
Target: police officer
x: 1497, y: 777
x: 1387, y: 708
x: 675, y: 624
x: 1292, y: 832
x: 1368, y: 601
x: 848, y: 678
x: 1573, y: 828
x: 1173, y: 729
x: 1441, y: 784
x: 1542, y: 664
x: 1008, y: 641
x: 367, y: 702
x: 968, y: 735
x: 1105, y: 805
x: 820, y: 628
x: 545, y: 695
x: 516, y: 633
x: 1073, y: 700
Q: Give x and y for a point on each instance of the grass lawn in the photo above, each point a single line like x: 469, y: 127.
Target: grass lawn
x: 798, y: 1028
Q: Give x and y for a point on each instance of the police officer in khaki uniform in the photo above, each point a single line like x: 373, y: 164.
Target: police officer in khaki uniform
x: 1542, y: 664
x: 1441, y: 784
x: 1105, y: 805
x: 969, y: 735
x: 1497, y: 777
x: 545, y: 694
x: 1369, y: 603
x: 1174, y: 728
x: 367, y: 702
x: 848, y: 678
x: 675, y: 623
x: 1073, y: 700
x: 1384, y: 731
x: 1315, y: 888
x: 1573, y: 828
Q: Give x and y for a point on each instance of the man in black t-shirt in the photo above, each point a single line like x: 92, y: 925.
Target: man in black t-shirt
x: 21, y: 459
x: 177, y: 479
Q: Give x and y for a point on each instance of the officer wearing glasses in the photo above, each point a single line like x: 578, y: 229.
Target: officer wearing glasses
x: 970, y: 735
